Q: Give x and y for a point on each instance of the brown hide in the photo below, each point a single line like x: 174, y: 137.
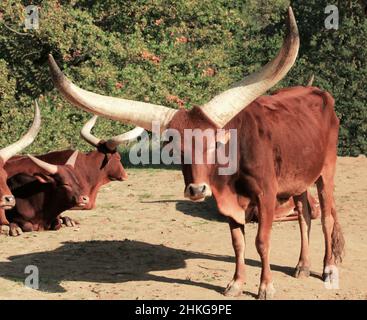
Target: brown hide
x: 93, y: 169
x: 283, y: 141
x: 4, y: 191
x: 42, y: 197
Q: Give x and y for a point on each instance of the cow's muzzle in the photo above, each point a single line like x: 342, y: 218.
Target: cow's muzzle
x: 198, y: 192
x: 83, y: 201
x: 7, y: 202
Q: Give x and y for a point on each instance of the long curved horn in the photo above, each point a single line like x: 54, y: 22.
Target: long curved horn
x: 26, y: 140
x: 86, y: 134
x: 226, y: 105
x: 310, y: 81
x: 50, y: 168
x: 128, y: 111
x: 113, y: 143
x: 72, y: 159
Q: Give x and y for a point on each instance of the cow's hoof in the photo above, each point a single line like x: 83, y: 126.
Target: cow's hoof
x: 15, y: 230
x: 234, y: 289
x: 4, y: 229
x: 301, y: 272
x: 331, y: 277
x: 266, y: 292
x: 66, y: 221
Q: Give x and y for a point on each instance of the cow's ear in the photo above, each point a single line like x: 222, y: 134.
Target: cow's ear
x: 43, y: 178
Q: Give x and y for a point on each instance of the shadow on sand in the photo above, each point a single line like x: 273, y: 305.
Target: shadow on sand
x: 104, y: 262
x: 111, y: 262
x: 206, y: 210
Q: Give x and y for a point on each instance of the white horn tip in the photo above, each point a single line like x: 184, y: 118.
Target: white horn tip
x: 292, y: 23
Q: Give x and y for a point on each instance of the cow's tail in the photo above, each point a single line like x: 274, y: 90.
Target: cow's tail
x: 337, y: 239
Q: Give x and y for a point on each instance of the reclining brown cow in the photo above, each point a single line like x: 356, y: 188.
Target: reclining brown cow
x: 286, y: 143
x: 42, y: 192
x: 93, y: 170
x: 98, y: 167
x: 7, y: 200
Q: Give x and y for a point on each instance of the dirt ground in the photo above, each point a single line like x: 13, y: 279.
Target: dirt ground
x: 145, y: 241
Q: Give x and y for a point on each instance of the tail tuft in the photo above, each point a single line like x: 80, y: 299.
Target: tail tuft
x: 337, y: 243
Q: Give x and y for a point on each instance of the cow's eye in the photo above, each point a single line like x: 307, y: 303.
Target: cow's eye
x: 66, y: 185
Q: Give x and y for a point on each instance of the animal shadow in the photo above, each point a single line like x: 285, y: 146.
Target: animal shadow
x: 206, y: 210
x: 104, y: 262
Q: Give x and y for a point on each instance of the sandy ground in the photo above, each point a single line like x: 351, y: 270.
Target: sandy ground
x: 145, y: 241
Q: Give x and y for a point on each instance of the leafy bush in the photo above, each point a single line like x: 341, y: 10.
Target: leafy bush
x: 176, y: 53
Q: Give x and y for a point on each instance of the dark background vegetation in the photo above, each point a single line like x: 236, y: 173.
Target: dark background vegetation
x: 176, y: 53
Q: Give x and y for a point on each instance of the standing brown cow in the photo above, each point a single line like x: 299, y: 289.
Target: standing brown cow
x: 7, y: 200
x: 286, y: 142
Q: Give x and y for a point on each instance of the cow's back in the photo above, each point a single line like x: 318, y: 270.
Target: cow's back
x: 287, y: 135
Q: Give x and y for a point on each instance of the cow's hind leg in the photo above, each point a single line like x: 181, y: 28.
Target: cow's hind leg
x: 266, y: 205
x: 334, y: 240
x: 234, y: 288
x: 304, y: 218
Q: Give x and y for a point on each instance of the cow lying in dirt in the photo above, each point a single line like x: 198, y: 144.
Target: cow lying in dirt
x: 42, y: 194
x: 7, y: 200
x: 92, y: 170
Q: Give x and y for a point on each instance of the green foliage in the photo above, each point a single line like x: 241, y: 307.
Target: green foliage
x: 176, y: 53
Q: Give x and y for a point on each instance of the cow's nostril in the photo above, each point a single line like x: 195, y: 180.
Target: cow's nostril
x: 203, y: 188
x: 191, y: 189
x: 9, y: 198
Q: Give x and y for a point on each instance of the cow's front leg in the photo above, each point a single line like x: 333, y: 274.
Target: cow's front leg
x: 68, y: 222
x: 4, y: 223
x: 266, y: 205
x: 15, y: 229
x: 18, y: 225
x: 234, y: 288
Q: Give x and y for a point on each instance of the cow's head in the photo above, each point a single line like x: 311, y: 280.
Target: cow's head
x: 110, y: 167
x: 67, y: 189
x: 215, y: 114
x: 7, y: 200
x: 202, y: 149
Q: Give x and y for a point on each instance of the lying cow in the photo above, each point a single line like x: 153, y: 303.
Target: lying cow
x: 98, y: 167
x: 7, y: 200
x: 93, y: 169
x: 42, y: 192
